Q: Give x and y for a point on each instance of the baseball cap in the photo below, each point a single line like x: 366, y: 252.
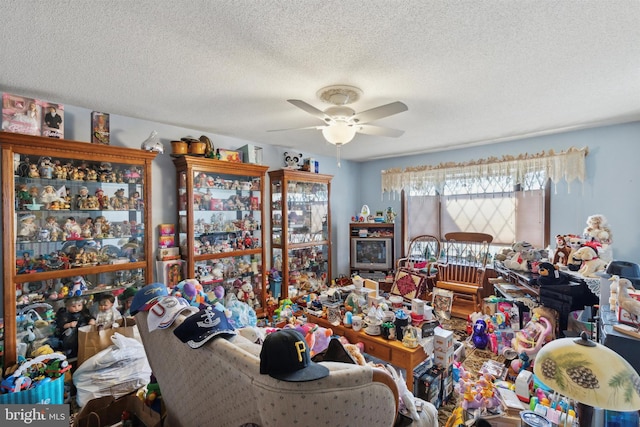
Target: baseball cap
x: 163, y: 313
x: 146, y: 297
x: 128, y: 293
x: 285, y: 356
x: 202, y: 326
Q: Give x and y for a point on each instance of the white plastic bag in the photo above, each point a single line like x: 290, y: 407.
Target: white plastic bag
x: 115, y: 371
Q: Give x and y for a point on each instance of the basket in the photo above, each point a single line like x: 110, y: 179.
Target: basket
x: 48, y: 393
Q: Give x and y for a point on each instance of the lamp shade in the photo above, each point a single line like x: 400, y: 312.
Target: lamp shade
x: 339, y: 133
x: 589, y: 373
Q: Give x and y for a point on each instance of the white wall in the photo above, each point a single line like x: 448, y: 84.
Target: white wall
x: 613, y: 170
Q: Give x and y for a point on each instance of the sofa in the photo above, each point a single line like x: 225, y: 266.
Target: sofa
x: 220, y: 384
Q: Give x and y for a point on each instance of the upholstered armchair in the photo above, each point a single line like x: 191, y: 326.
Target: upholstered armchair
x: 220, y: 384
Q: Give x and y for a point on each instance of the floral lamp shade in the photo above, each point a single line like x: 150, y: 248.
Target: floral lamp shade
x: 589, y: 373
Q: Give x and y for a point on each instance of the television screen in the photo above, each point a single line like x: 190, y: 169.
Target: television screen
x: 371, y: 253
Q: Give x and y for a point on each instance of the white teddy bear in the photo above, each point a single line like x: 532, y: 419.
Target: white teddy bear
x: 245, y: 293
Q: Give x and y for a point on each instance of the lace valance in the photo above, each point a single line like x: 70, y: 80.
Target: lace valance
x: 568, y: 165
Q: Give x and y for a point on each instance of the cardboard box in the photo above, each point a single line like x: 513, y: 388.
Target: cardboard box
x: 52, y: 120
x: 170, y: 272
x: 428, y: 386
x: 311, y: 165
x: 428, y: 327
x: 443, y: 339
x: 233, y: 156
x: 443, y: 359
x: 417, y: 306
x: 251, y: 154
x: 21, y: 115
x: 166, y: 254
x: 108, y: 411
x: 166, y: 241
x: 622, y: 315
x: 167, y: 229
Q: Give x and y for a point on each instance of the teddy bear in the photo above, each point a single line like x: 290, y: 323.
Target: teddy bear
x: 591, y: 263
x: 292, y: 160
x: 516, y: 261
x: 246, y: 294
x: 548, y: 274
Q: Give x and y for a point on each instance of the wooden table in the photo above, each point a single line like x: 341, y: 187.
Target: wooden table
x: 391, y: 351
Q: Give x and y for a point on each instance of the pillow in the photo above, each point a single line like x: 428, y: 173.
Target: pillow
x: 409, y: 284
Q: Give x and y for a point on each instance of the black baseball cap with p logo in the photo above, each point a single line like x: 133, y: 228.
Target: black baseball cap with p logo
x: 285, y: 356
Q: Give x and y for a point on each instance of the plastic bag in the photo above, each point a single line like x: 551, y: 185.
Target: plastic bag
x: 115, y: 371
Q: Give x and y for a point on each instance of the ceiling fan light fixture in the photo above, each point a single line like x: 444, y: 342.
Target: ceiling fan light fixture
x: 339, y: 133
x: 339, y: 94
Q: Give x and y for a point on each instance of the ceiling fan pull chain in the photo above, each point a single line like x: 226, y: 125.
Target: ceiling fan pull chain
x: 338, y: 154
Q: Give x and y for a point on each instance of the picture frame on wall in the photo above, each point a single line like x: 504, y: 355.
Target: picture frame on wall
x: 99, y: 128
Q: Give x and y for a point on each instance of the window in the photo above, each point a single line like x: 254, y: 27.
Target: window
x: 508, y: 198
x: 508, y: 216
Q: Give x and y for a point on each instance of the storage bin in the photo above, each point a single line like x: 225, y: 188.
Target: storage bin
x: 48, y: 393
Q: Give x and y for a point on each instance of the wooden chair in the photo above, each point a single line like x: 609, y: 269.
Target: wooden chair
x: 422, y: 255
x: 462, y: 270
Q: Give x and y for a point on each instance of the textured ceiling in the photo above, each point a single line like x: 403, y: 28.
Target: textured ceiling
x: 471, y: 72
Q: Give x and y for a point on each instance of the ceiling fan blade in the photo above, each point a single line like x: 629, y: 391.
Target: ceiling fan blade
x: 379, y: 131
x: 379, y: 112
x: 303, y: 128
x: 309, y: 109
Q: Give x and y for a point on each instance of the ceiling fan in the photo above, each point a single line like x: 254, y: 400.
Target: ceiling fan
x: 341, y: 122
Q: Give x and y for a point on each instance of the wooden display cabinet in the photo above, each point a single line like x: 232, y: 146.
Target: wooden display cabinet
x: 220, y: 225
x: 74, y: 217
x: 300, y: 231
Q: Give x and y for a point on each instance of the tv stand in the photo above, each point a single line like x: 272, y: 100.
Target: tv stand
x: 372, y: 230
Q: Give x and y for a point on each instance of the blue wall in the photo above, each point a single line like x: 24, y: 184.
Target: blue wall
x: 612, y: 169
x: 130, y: 132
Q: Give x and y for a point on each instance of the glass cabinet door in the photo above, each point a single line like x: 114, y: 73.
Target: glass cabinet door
x: 71, y: 226
x: 220, y: 211
x: 300, y: 231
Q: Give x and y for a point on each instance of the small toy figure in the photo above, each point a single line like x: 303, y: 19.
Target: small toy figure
x: 72, y: 229
x: 390, y: 216
x: 55, y: 231
x: 22, y: 196
x: 46, y: 168
x: 118, y: 202
x: 480, y: 337
x: 28, y: 227
x: 81, y: 199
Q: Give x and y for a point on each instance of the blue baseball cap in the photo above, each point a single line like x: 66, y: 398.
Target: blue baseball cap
x: 285, y: 356
x: 146, y: 296
x: 197, y: 329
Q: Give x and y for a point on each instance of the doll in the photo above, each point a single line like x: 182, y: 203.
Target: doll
x: 28, y: 227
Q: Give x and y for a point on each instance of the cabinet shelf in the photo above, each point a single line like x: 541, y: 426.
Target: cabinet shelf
x: 300, y: 231
x: 220, y: 223
x: 49, y: 192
